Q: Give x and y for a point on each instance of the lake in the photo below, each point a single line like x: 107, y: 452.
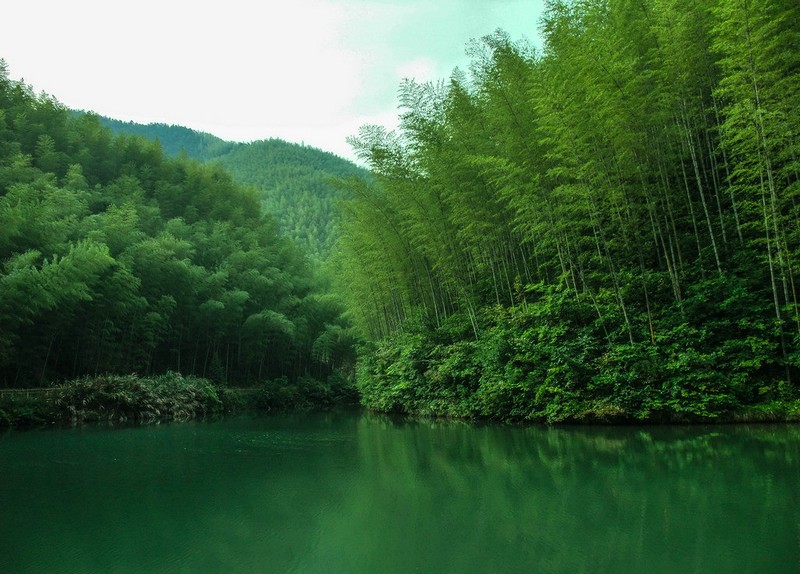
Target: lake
x: 352, y: 493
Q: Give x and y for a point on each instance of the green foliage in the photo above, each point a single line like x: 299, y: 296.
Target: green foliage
x: 551, y: 361
x: 307, y: 393
x: 26, y: 412
x: 114, y: 398
x: 115, y: 258
x: 175, y: 140
x: 603, y: 230
x: 295, y: 183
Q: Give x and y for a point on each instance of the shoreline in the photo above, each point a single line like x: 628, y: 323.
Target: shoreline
x: 51, y: 407
x: 130, y: 399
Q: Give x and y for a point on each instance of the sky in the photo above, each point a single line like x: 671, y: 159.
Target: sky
x: 306, y: 71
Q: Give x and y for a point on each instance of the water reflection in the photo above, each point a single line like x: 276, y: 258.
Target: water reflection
x: 349, y: 493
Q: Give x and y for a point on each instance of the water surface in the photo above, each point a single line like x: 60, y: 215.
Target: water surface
x: 351, y: 493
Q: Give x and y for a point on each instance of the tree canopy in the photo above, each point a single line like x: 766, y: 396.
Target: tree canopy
x: 294, y: 181
x: 116, y: 258
x: 606, y: 227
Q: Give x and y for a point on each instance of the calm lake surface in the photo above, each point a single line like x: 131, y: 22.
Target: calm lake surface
x: 352, y: 493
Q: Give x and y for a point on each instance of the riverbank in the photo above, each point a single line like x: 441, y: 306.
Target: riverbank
x: 169, y: 397
x: 610, y: 415
x: 547, y: 361
x: 172, y: 397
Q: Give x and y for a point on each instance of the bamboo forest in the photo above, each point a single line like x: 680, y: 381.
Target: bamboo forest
x: 601, y: 228
x: 605, y: 228
x: 544, y: 317
x: 119, y: 260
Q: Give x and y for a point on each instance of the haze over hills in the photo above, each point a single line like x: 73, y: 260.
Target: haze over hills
x: 294, y: 179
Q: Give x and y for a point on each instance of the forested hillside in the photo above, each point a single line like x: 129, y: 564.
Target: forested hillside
x: 297, y: 186
x: 118, y: 259
x: 295, y: 181
x: 604, y: 228
x: 174, y: 140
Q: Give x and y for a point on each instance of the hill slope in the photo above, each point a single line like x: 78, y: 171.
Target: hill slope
x: 174, y: 139
x: 294, y: 180
x: 117, y: 259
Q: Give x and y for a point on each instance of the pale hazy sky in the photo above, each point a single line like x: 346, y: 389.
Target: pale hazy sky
x: 308, y: 71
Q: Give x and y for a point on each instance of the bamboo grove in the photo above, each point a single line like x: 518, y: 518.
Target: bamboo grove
x: 606, y: 227
x: 115, y: 259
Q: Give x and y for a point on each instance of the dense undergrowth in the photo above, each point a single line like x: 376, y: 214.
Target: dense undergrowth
x: 552, y: 358
x: 169, y: 397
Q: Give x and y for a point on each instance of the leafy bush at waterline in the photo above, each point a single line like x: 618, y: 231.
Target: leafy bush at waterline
x: 170, y: 397
x: 306, y: 394
x: 551, y: 360
x: 26, y: 412
x: 132, y: 398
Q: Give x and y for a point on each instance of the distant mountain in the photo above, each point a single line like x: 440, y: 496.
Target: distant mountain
x: 296, y: 184
x: 294, y: 180
x: 175, y: 139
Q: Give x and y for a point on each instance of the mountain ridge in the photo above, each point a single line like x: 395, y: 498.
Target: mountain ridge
x: 294, y: 180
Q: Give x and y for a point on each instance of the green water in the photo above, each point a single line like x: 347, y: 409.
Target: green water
x: 351, y: 493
